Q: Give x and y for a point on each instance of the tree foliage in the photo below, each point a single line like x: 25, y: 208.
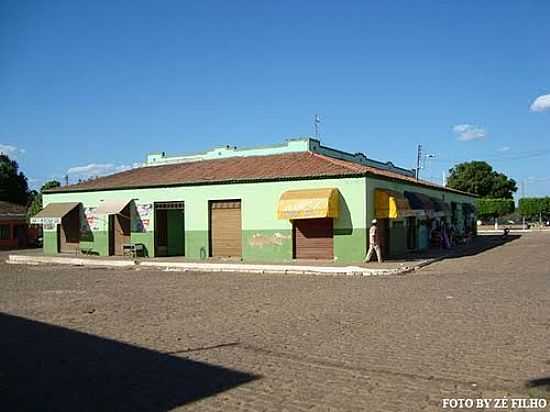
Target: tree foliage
x: 534, y: 206
x: 36, y: 204
x: 495, y: 207
x: 13, y: 183
x: 479, y: 178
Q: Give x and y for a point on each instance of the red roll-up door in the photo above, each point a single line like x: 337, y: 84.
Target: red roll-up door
x: 313, y: 239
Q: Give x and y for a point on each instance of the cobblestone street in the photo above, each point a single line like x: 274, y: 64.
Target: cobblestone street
x: 473, y: 326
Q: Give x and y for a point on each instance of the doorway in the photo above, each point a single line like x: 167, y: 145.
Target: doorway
x: 169, y: 229
x: 313, y: 238
x: 119, y: 231
x: 69, y: 232
x: 225, y: 228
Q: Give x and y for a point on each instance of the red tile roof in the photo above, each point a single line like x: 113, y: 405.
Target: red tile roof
x: 8, y: 209
x: 303, y: 165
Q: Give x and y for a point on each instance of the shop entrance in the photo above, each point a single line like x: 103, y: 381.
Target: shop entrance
x: 313, y: 238
x: 69, y: 231
x: 225, y: 228
x: 411, y: 233
x: 119, y: 231
x: 169, y: 229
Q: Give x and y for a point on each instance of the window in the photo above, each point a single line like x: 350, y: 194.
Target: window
x: 5, y: 232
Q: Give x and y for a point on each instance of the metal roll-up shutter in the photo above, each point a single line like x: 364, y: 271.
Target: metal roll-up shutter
x: 225, y: 228
x: 313, y: 239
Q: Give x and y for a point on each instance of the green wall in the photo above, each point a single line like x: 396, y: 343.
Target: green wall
x: 398, y: 232
x: 264, y: 237
x: 50, y: 242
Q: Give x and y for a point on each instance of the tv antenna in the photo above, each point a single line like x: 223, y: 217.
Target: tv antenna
x: 317, y: 125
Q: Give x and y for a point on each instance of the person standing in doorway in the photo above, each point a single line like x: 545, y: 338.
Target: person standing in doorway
x: 374, y: 243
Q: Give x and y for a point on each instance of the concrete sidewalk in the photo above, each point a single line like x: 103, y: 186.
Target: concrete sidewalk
x: 175, y: 264
x: 407, y: 263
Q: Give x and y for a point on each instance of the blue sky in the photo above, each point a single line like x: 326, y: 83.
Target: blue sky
x: 94, y: 86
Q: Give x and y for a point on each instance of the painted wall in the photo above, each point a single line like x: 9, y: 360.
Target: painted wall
x: 265, y: 238
x: 399, y: 229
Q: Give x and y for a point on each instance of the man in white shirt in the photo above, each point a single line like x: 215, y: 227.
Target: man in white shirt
x: 374, y: 243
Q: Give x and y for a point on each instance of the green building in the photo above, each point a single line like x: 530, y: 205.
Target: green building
x: 298, y: 200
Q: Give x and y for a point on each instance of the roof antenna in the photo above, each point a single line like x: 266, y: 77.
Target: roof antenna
x: 317, y: 126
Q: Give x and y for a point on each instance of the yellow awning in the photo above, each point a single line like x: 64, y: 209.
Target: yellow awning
x: 391, y: 204
x: 309, y: 204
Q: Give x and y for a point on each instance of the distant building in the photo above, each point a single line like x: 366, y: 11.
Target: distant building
x: 297, y: 200
x: 14, y: 230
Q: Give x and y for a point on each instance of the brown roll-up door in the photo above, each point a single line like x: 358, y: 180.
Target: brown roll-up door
x: 313, y: 239
x: 225, y: 228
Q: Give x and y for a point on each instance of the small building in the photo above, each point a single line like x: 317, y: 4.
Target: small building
x: 297, y: 200
x: 14, y: 230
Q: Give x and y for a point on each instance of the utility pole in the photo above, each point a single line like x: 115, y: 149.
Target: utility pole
x: 523, y: 196
x: 67, y: 180
x: 317, y: 126
x: 418, y: 160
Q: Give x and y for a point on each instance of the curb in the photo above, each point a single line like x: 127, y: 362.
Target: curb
x: 210, y: 267
x: 266, y: 269
x: 36, y: 260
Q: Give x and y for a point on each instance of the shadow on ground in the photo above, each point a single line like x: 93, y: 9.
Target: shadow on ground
x: 479, y: 244
x: 50, y: 368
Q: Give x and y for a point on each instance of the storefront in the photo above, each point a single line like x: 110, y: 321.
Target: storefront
x: 268, y: 204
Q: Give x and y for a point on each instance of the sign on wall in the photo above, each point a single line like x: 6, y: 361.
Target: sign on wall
x: 141, y: 219
x: 91, y: 221
x: 46, y: 221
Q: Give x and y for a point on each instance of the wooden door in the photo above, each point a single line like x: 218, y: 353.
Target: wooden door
x: 69, y: 231
x: 313, y: 239
x: 225, y: 228
x: 112, y: 247
x: 161, y: 232
x: 121, y: 230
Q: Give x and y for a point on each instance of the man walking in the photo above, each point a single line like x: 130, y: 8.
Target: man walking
x: 374, y: 243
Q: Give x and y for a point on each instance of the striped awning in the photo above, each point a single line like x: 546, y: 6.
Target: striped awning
x: 309, y: 204
x: 53, y: 213
x: 390, y: 204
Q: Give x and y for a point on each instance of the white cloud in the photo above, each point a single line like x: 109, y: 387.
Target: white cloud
x: 98, y: 169
x: 467, y: 132
x: 11, y: 151
x: 504, y: 149
x: 541, y: 103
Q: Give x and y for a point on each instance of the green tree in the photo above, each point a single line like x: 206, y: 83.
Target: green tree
x: 495, y: 207
x: 479, y: 178
x: 532, y: 207
x: 36, y: 203
x: 13, y: 183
